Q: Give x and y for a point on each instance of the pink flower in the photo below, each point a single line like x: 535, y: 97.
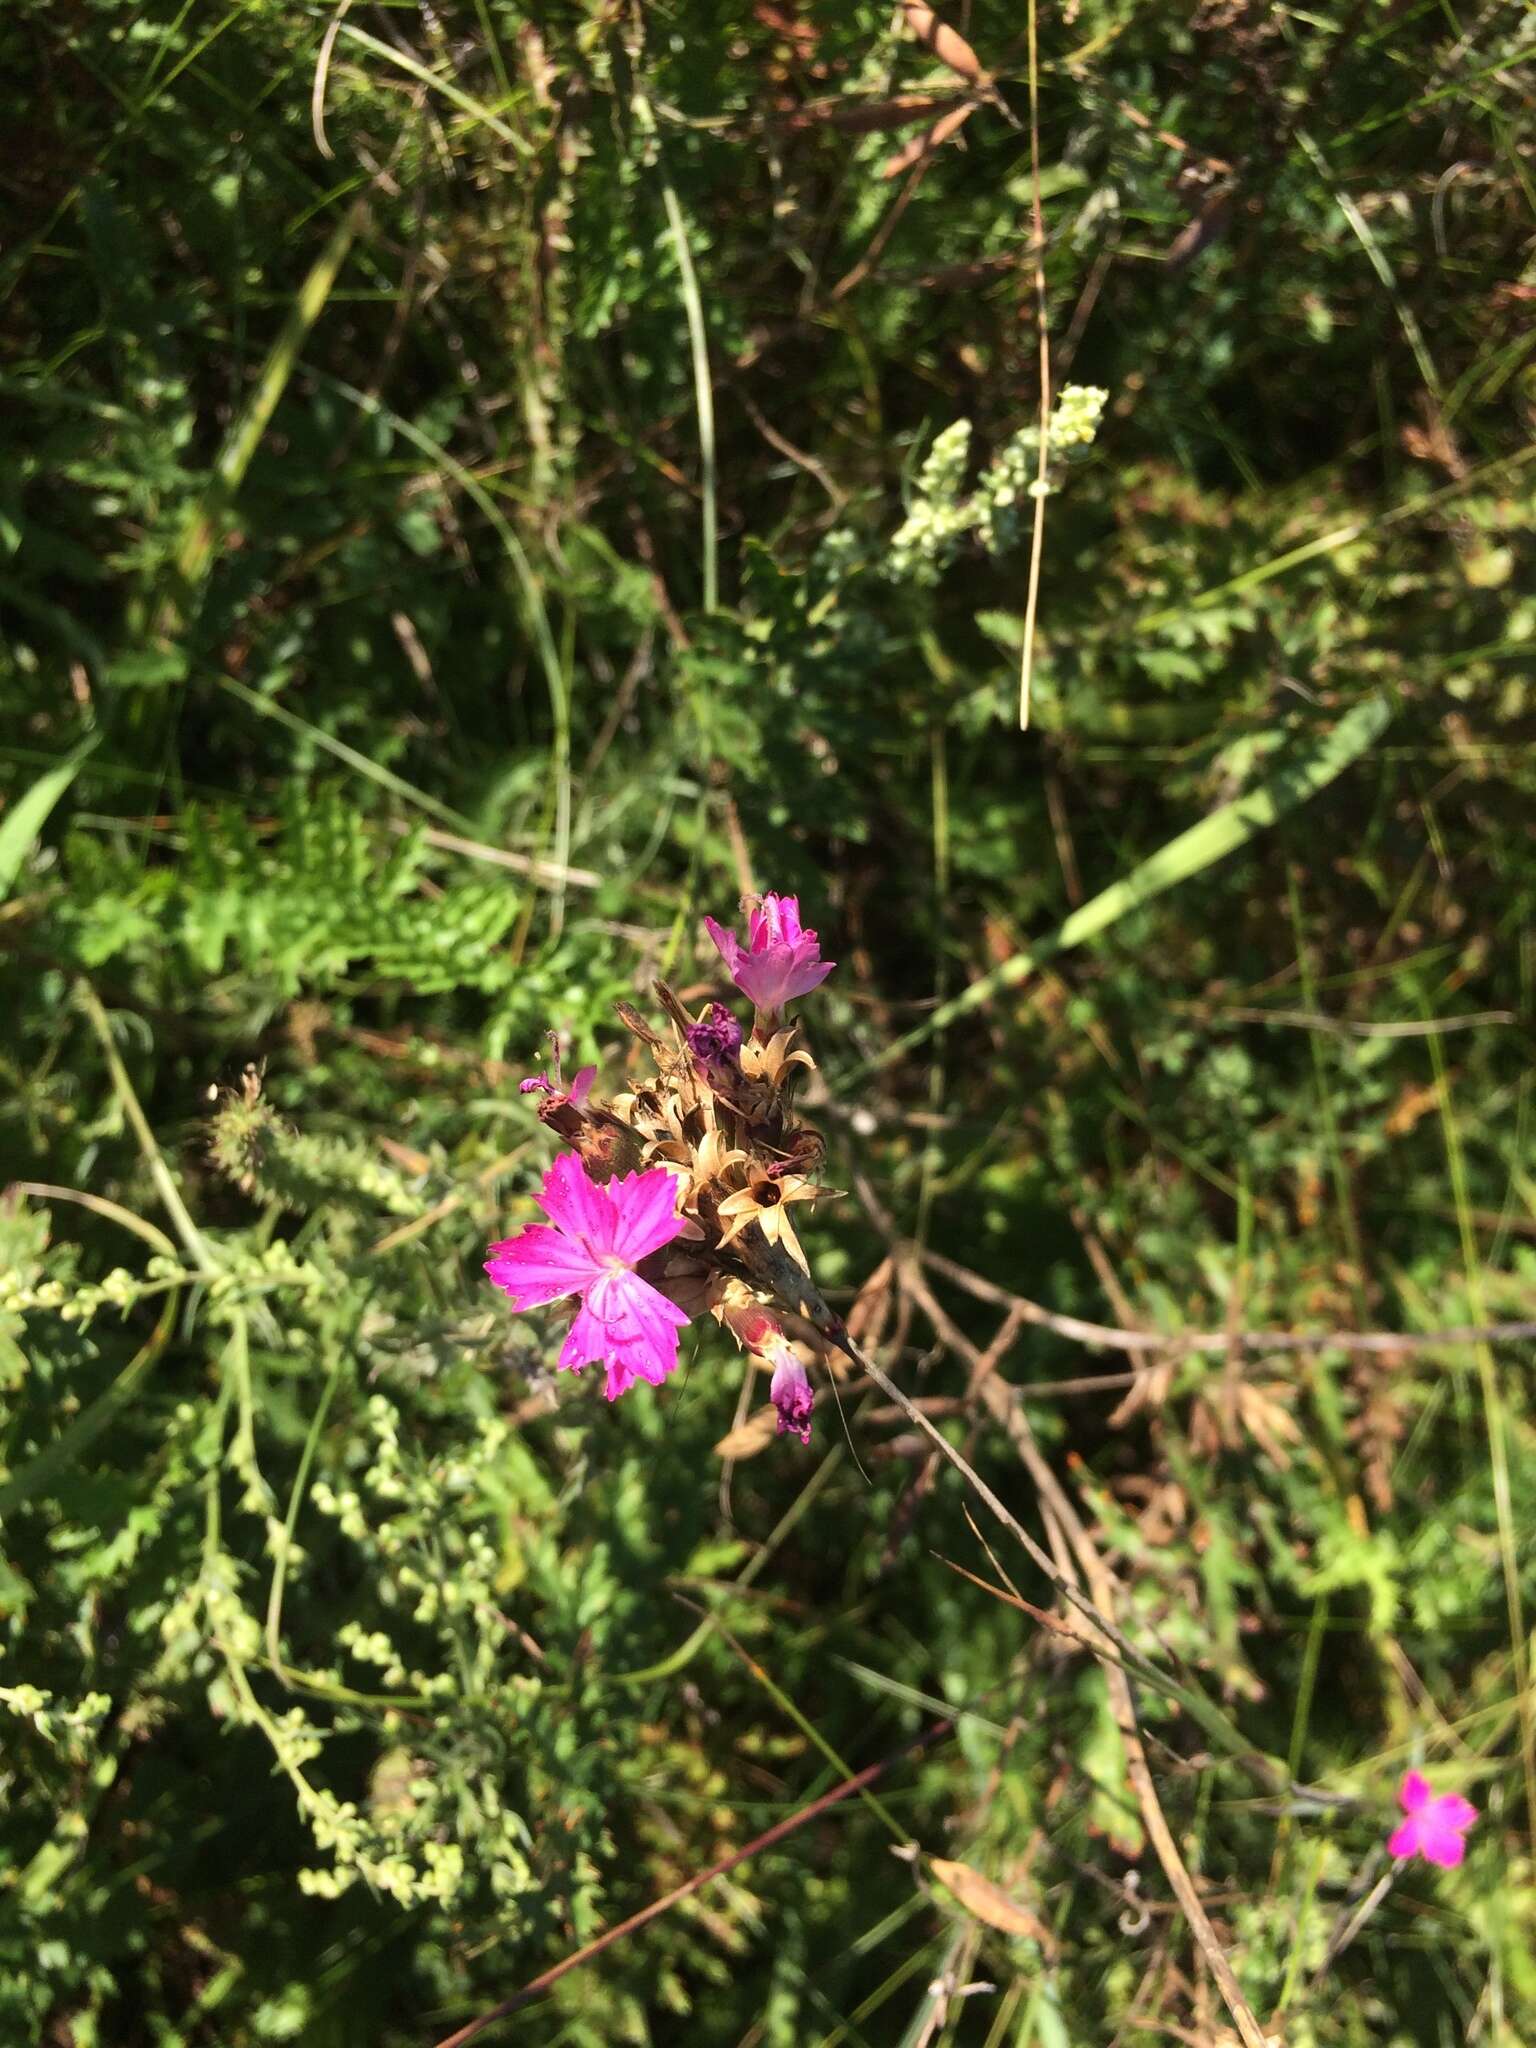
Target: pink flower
x: 600, y: 1235
x: 781, y: 960
x: 790, y: 1392
x: 1435, y: 1825
x: 551, y: 1085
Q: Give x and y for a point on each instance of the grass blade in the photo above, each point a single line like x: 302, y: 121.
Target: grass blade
x: 244, y: 437
x: 1201, y: 847
x: 28, y: 815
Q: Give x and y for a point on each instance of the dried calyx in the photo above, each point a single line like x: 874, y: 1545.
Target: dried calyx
x: 722, y: 1119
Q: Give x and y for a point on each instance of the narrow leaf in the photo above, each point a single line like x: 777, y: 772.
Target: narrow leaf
x: 989, y: 1902
x: 27, y: 816
x: 946, y: 43
x: 1293, y: 782
x: 754, y: 1435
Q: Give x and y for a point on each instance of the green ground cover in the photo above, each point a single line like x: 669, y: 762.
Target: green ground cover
x: 486, y: 486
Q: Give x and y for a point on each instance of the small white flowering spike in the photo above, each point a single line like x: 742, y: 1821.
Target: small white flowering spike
x: 1079, y: 409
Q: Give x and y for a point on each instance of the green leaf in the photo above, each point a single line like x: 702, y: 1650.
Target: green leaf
x: 28, y: 815
x: 1292, y: 783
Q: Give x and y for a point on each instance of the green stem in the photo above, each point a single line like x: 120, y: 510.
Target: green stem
x: 202, y: 1256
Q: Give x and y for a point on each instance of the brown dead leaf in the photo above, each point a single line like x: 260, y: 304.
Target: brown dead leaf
x: 868, y: 117
x: 871, y: 1310
x: 1208, y: 226
x: 406, y: 1156
x: 1268, y: 1420
x: 925, y: 144
x: 754, y: 1435
x: 1149, y: 1390
x: 1410, y: 1106
x: 990, y: 1903
x: 946, y: 43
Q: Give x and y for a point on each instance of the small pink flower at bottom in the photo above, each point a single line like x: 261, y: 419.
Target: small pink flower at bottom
x: 781, y: 959
x: 790, y: 1392
x: 1435, y: 1826
x: 600, y: 1235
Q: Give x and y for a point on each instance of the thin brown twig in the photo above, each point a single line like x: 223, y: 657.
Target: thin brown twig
x: 534, y: 865
x: 1072, y: 1542
x: 1042, y: 320
x: 1106, y: 1336
x: 1345, y: 1027
x: 535, y: 1990
x: 1201, y: 1710
x: 1172, y: 141
x: 883, y: 233
x: 1123, y: 1705
x: 797, y: 456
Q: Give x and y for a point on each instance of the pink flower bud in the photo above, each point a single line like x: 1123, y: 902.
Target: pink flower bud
x: 781, y: 959
x: 790, y: 1392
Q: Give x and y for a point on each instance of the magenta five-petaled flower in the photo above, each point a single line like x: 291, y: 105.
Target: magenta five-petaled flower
x: 1434, y: 1825
x: 781, y: 959
x: 599, y: 1235
x: 790, y: 1392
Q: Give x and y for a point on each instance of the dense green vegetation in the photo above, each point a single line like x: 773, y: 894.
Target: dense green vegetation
x: 485, y: 485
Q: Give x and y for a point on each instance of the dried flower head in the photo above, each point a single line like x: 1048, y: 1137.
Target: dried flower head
x: 716, y: 1038
x: 675, y: 1198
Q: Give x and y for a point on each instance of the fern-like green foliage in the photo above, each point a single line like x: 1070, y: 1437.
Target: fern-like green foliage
x: 320, y: 898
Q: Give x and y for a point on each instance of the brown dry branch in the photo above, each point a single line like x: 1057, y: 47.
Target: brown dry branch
x: 868, y: 117
x: 1115, y: 1653
x: 1106, y: 1336
x: 876, y: 249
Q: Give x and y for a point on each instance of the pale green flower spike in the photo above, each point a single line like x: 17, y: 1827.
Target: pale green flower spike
x: 939, y: 518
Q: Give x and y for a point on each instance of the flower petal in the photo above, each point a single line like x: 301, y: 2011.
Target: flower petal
x: 1440, y: 1844
x: 540, y: 1265
x: 775, y: 922
x: 586, y: 1341
x: 633, y: 1338
x: 809, y: 972
x: 1455, y: 1811
x: 727, y: 944
x: 1404, y: 1839
x: 782, y: 957
x: 577, y: 1205
x: 626, y: 1322
x: 1413, y: 1794
x: 645, y: 1212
